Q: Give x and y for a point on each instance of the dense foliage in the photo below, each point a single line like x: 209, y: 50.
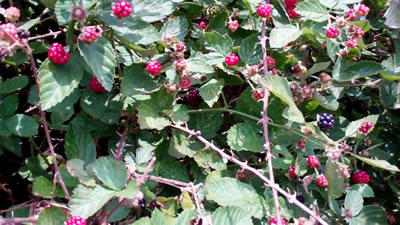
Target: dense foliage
x: 172, y: 112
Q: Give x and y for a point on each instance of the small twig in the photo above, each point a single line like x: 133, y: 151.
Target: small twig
x: 53, y: 34
x: 196, y: 201
x: 252, y: 170
x: 11, y: 221
x: 145, y: 175
x: 121, y: 144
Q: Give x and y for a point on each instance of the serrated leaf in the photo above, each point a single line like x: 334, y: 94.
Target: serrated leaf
x: 175, y: 27
x: 231, y: 216
x: 240, y: 195
x: 370, y: 215
x: 87, y: 201
x: 328, y: 102
x: 101, y: 106
x: 358, y: 70
x: 313, y: 10
x: 58, y: 81
x: 280, y: 88
x: 143, y: 221
x: 185, y: 217
x: 130, y: 191
x: 207, y: 123
x: 280, y: 36
x: 198, y: 63
x: 382, y: 164
x: 245, y: 136
x: 8, y: 105
x: 159, y: 218
x: 13, y: 84
x: 112, y: 173
x: 389, y: 94
x: 152, y: 10
x: 317, y: 67
x: 136, y: 81
x: 364, y: 189
x: 220, y: 43
x: 335, y: 180
x: 250, y: 51
x: 209, y: 159
x: 332, y: 48
x: 211, y: 90
x: 392, y: 15
x: 149, y: 111
x: 354, y: 202
x: 51, y: 216
x: 178, y: 114
x: 173, y: 169
x: 76, y: 168
x: 100, y: 58
x: 21, y: 125
x: 43, y: 187
x: 80, y: 144
x: 179, y: 146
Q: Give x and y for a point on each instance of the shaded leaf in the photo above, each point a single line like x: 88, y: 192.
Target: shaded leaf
x: 112, y: 173
x: 245, y: 136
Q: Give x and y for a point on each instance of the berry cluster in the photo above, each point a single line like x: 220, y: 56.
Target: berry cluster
x: 271, y: 62
x: 326, y: 122
x: 360, y: 177
x: 264, y: 10
x: 291, y: 8
x: 57, y: 54
x: 10, y: 30
x: 233, y: 25
x: 332, y: 32
x: 232, y: 59
x: 322, y: 181
x: 274, y: 221
x: 301, y: 94
x: 359, y: 10
x: 313, y: 161
x: 90, y: 34
x: 180, y: 64
x: 75, y: 220
x: 154, y: 67
x: 12, y: 14
x: 258, y: 94
x: 122, y: 9
x: 365, y: 126
x: 95, y: 85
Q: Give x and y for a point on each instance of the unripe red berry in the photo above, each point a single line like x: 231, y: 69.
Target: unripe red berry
x: 307, y: 92
x: 291, y: 11
x: 79, y: 14
x: 122, y: 9
x: 322, y: 181
x: 332, y: 32
x: 90, y: 34
x: 232, y: 59
x: 253, y: 70
x: 365, y: 126
x: 275, y: 71
x: 325, y: 78
x: 313, y: 161
x: 290, y: 2
x: 95, y: 85
x: 362, y: 10
x: 241, y: 175
x: 203, y: 25
x: 264, y: 10
x: 57, y: 54
x: 271, y: 62
x: 355, y: 31
x: 301, y: 144
x: 258, y: 94
x: 180, y: 46
x: 294, y: 87
x: 274, y: 221
x: 75, y: 220
x: 8, y: 29
x: 360, y: 177
x: 302, y: 220
x: 292, y: 171
x: 391, y: 219
x: 12, y: 14
x: 351, y: 15
x: 180, y: 64
x: 153, y: 67
x: 233, y: 25
x: 296, y: 69
x: 185, y: 82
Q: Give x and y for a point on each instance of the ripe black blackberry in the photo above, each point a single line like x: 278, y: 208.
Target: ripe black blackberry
x: 23, y: 34
x: 326, y: 121
x: 193, y: 97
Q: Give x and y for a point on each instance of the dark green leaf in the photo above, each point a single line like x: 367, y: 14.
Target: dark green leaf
x: 250, y: 50
x: 13, y: 84
x: 51, y: 216
x: 80, y: 144
x: 220, y: 43
x: 22, y: 125
x: 245, y: 136
x: 101, y: 106
x: 112, y: 173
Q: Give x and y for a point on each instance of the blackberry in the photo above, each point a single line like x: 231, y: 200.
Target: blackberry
x: 326, y: 121
x: 142, y: 203
x: 193, y: 97
x: 23, y: 34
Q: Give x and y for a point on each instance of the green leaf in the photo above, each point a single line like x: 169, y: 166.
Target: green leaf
x: 159, y: 218
x: 328, y: 102
x: 250, y: 51
x: 87, y: 201
x: 176, y: 27
x: 80, y: 144
x: 185, y: 217
x: 313, y: 10
x: 119, y: 214
x: 353, y: 128
x: 280, y: 88
x: 178, y: 114
x: 370, y: 215
x: 207, y: 123
x: 211, y: 90
x: 245, y: 136
x: 382, y: 164
x: 143, y: 221
x: 104, y: 107
x: 335, y: 180
x: 51, y: 216
x: 8, y: 105
x: 354, y: 201
x: 149, y: 111
x: 332, y: 48
x: 112, y: 173
x: 317, y: 67
x: 63, y: 9
x: 76, y: 168
x: 209, y: 159
x: 247, y: 104
x: 283, y: 159
x: 388, y: 94
x: 100, y: 58
x: 130, y: 190
x: 198, y: 63
x: 3, y: 129
x: 58, y: 81
x: 364, y: 189
x: 220, y: 43
x: 68, y: 103
x: 14, y: 84
x: 152, y: 10
x: 392, y: 67
x: 173, y: 169
x: 358, y: 70
x: 22, y: 125
x: 43, y: 187
x: 280, y: 36
x: 231, y: 216
x: 392, y: 15
x: 240, y: 195
x: 179, y: 146
x: 136, y: 81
